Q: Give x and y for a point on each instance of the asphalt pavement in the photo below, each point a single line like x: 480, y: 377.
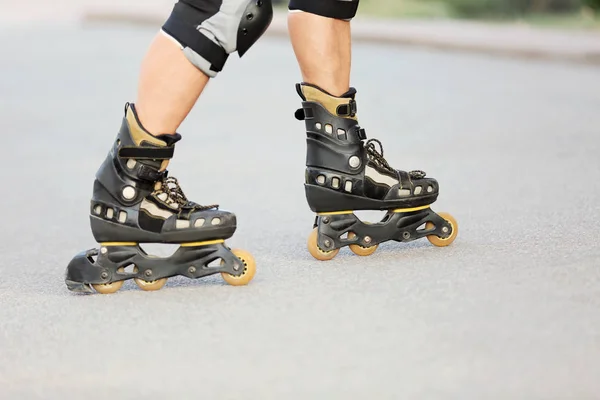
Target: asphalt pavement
x: 510, y: 310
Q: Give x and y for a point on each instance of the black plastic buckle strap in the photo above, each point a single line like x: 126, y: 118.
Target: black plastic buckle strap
x: 190, y: 37
x: 149, y: 174
x: 361, y: 133
x: 347, y: 110
x: 304, y: 113
x: 147, y: 153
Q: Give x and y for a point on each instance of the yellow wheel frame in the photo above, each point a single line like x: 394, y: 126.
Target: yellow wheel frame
x: 249, y: 269
x: 437, y: 241
x: 316, y: 251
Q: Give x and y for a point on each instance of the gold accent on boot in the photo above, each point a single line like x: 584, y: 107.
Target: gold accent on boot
x: 330, y: 103
x: 139, y: 134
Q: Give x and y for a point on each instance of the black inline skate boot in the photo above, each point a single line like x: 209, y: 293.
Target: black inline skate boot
x: 135, y: 201
x: 345, y: 172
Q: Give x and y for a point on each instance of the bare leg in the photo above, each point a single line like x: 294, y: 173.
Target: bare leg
x: 169, y: 86
x: 323, y: 50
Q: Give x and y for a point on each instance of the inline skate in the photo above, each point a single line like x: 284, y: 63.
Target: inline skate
x: 345, y: 173
x: 135, y: 201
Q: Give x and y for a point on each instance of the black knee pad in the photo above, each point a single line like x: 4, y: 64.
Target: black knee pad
x: 209, y: 30
x: 338, y: 9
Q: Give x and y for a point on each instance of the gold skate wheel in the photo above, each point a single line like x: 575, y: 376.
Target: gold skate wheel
x: 316, y: 251
x: 249, y: 269
x: 108, y: 288
x: 150, y: 286
x: 437, y: 241
x: 360, y: 250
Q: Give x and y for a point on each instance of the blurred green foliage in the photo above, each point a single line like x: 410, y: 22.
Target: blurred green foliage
x: 560, y: 13
x: 512, y: 8
x: 576, y: 14
x: 593, y: 4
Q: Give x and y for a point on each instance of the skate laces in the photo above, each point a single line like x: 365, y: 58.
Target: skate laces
x: 376, y: 157
x: 175, y: 196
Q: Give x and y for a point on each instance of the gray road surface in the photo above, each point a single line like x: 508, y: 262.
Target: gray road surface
x: 510, y: 311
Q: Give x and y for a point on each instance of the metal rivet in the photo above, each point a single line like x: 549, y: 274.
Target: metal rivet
x: 103, y: 250
x: 367, y: 239
x: 148, y: 272
x: 245, y: 31
x: 191, y: 270
x: 445, y: 229
x: 325, y: 220
x: 249, y: 16
x: 327, y: 243
x: 104, y: 275
x: 128, y: 192
x: 354, y: 162
x: 236, y: 266
x: 406, y: 235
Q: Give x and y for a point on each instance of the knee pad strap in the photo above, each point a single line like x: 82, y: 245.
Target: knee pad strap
x: 182, y: 26
x: 210, y: 30
x: 338, y: 9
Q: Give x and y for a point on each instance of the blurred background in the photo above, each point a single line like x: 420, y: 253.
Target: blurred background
x: 509, y: 311
x: 574, y: 14
x: 557, y: 13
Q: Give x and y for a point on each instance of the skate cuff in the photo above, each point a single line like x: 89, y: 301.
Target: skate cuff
x: 147, y: 153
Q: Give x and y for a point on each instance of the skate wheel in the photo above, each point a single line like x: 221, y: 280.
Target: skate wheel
x: 150, y: 286
x: 360, y: 250
x: 108, y: 288
x: 249, y: 269
x: 436, y: 240
x: 316, y: 251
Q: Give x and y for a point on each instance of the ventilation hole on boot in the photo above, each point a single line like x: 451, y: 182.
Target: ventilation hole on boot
x: 418, y: 190
x: 429, y: 189
x: 403, y: 192
x: 348, y: 186
x: 328, y: 129
x: 318, y: 126
x: 131, y: 163
x: 341, y: 133
x: 354, y: 162
x: 128, y: 193
x: 335, y: 183
x: 215, y: 221
x: 182, y: 224
x: 110, y: 213
x: 321, y: 179
x: 98, y: 210
x: 92, y: 258
x: 199, y: 222
x: 122, y: 217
